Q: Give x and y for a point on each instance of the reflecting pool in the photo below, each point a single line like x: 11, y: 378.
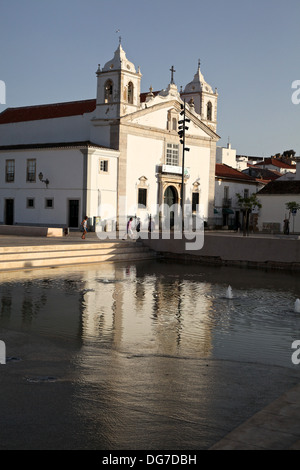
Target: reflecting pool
x: 148, y: 355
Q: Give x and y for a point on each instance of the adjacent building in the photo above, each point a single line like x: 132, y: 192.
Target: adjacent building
x: 229, y: 183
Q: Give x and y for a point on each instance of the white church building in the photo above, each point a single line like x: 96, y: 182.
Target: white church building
x: 109, y: 158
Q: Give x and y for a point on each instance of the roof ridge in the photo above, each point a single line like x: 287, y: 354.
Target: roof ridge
x: 48, y: 104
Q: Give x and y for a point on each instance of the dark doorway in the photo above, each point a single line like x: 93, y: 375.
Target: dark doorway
x: 74, y: 213
x: 170, y: 198
x: 9, y: 211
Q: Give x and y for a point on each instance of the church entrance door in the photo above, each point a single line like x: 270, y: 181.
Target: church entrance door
x: 170, y: 199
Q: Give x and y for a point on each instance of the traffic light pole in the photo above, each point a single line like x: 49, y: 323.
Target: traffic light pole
x: 181, y: 133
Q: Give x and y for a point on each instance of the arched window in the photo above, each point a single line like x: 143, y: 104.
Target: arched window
x: 209, y: 111
x: 130, y: 93
x: 108, y: 91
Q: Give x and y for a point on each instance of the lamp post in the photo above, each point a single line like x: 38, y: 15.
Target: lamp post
x: 182, y: 128
x: 46, y: 181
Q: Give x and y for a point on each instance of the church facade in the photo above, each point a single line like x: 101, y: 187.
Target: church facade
x: 112, y: 157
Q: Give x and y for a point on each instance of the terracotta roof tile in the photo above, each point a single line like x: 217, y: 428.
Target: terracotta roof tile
x: 225, y: 171
x: 276, y: 162
x: 47, y: 111
x: 143, y: 96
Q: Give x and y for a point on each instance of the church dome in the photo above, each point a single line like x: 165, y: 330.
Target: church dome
x: 119, y: 61
x: 198, y: 84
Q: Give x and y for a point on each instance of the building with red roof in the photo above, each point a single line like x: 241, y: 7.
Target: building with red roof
x: 229, y: 183
x: 275, y: 164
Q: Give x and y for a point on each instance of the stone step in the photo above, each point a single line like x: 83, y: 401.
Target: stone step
x: 25, y: 255
x: 82, y: 246
x: 28, y: 257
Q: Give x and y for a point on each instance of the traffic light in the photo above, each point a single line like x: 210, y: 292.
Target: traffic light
x: 182, y: 126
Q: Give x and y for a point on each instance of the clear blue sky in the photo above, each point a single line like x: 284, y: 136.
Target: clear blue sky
x: 249, y: 50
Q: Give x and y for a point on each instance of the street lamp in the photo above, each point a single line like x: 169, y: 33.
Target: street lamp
x: 46, y: 181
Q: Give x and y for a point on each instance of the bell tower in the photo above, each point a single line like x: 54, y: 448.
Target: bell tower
x: 118, y: 87
x: 205, y: 100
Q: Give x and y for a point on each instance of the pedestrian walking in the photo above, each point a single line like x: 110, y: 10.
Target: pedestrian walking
x: 129, y: 231
x: 138, y: 225
x: 286, y: 226
x: 129, y: 227
x: 84, y: 227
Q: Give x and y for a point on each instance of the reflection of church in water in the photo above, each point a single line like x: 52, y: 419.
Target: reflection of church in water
x: 138, y: 306
x: 114, y: 305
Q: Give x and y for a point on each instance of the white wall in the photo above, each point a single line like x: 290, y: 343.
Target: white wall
x: 198, y: 161
x: 102, y: 187
x: 66, y: 129
x: 64, y: 168
x: 274, y: 210
x: 145, y: 154
x: 226, y: 156
x: 234, y: 188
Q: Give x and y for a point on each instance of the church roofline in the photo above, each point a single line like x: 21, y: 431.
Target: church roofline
x: 176, y: 104
x: 47, y: 111
x: 77, y: 108
x: 55, y: 145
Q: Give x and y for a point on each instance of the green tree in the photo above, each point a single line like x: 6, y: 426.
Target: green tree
x: 289, y: 154
x: 292, y: 206
x: 247, y: 205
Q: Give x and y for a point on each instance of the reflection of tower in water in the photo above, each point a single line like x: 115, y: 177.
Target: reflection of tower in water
x: 102, y: 307
x: 180, y: 312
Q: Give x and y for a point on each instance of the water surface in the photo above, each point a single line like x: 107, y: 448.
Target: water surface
x: 148, y: 355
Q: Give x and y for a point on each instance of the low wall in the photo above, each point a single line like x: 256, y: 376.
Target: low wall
x: 252, y: 251
x: 28, y: 231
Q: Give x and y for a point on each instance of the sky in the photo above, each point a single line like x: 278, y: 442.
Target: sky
x: 249, y: 51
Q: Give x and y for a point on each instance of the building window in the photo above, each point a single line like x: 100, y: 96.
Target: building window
x: 31, y: 170
x: 130, y: 93
x: 195, y: 201
x: 49, y: 203
x: 142, y: 198
x: 246, y: 193
x: 10, y: 171
x: 103, y: 166
x: 174, y: 124
x: 108, y: 91
x: 226, y: 192
x: 172, y: 157
x: 30, y: 203
x: 209, y: 111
